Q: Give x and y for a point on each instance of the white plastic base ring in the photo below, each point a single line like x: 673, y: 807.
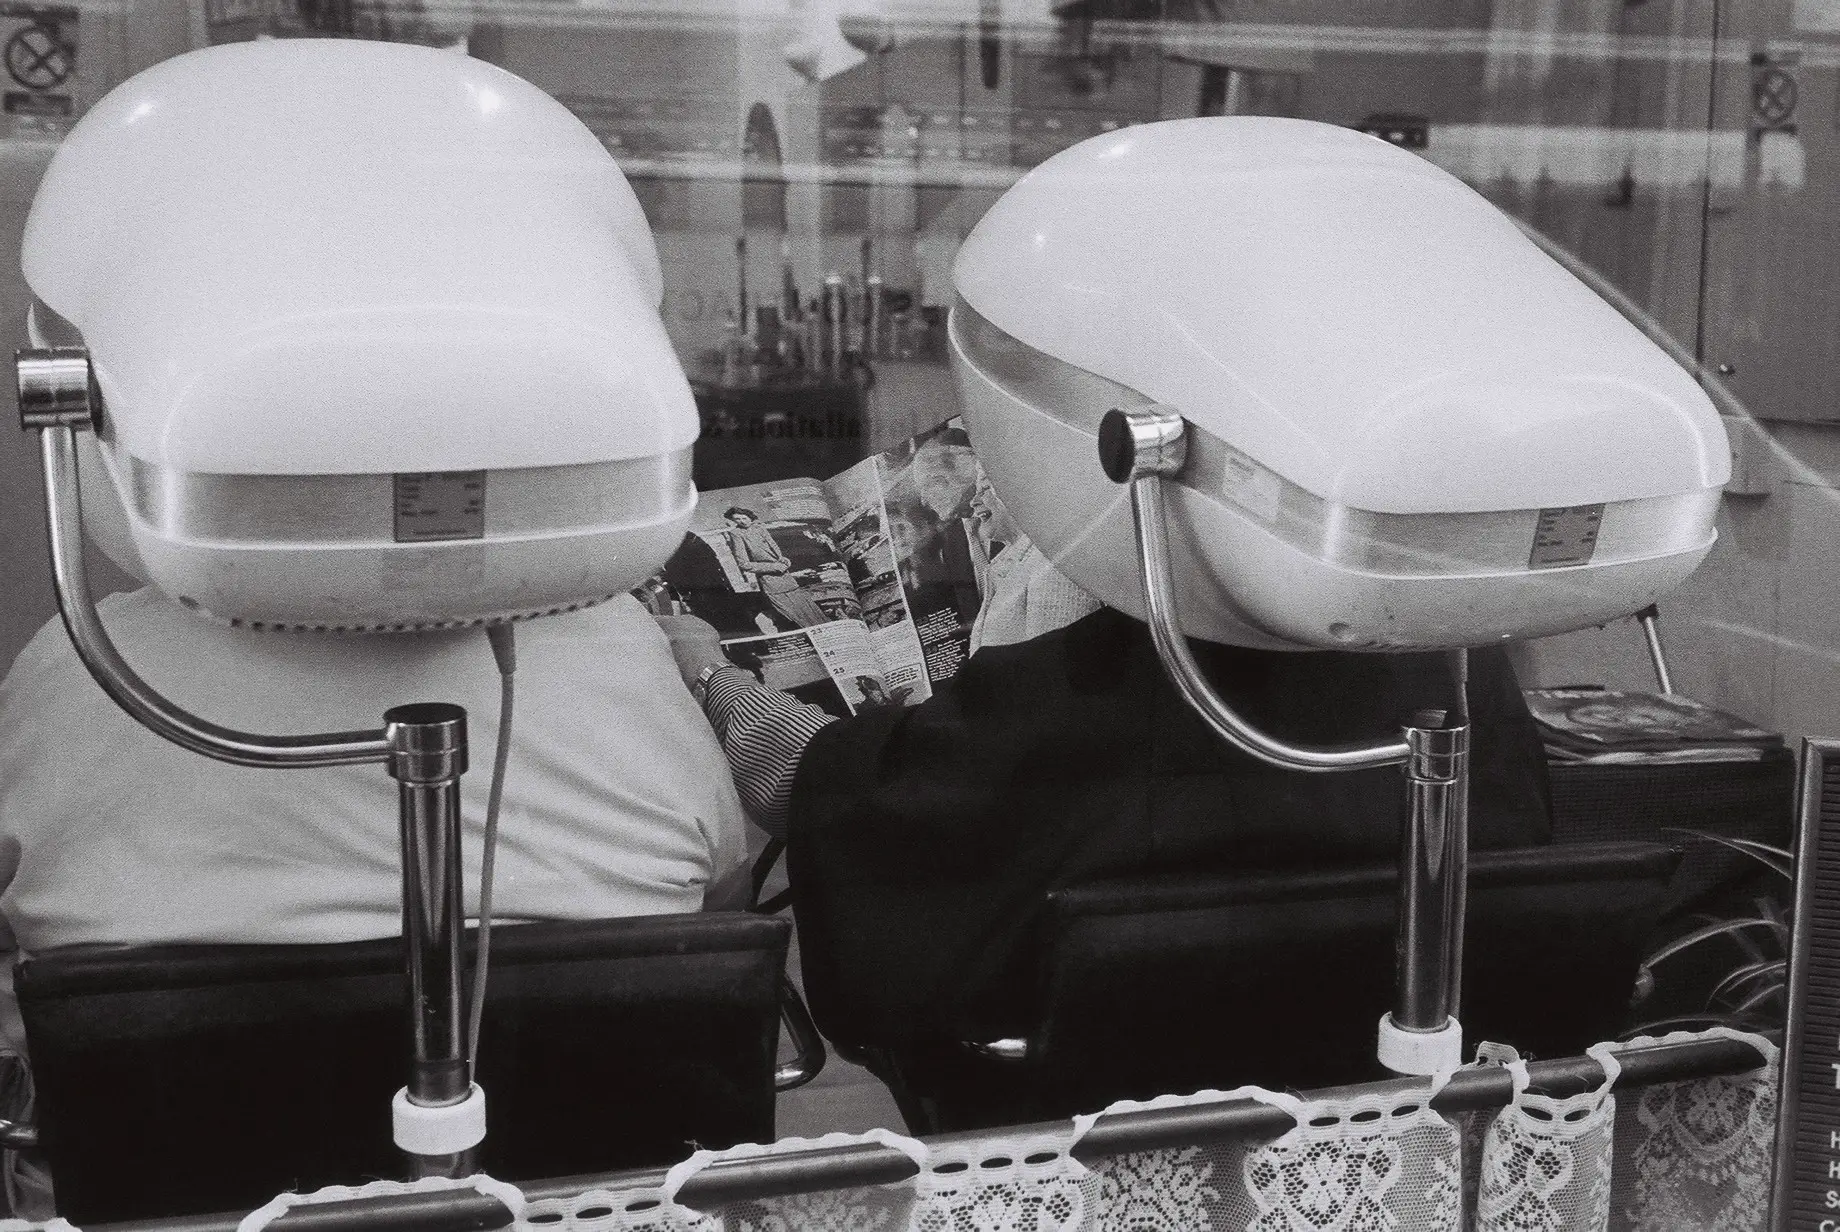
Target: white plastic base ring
x: 445, y: 1130
x: 1420, y: 1052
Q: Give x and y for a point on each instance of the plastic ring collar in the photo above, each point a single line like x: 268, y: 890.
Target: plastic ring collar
x: 1420, y: 1052
x: 446, y: 1129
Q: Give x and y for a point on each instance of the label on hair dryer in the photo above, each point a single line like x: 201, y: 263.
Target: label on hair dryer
x: 1565, y: 536
x: 439, y: 505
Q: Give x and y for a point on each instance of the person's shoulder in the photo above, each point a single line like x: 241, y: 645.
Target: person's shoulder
x: 1104, y: 632
x: 46, y: 652
x: 49, y: 650
x: 621, y: 622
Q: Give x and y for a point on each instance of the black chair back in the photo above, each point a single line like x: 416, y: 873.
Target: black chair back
x: 1298, y: 968
x: 1179, y: 983
x: 188, y: 1079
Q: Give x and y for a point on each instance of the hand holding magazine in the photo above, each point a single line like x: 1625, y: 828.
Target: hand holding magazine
x: 851, y: 592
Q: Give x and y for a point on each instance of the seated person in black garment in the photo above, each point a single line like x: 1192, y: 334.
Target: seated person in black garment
x: 922, y: 840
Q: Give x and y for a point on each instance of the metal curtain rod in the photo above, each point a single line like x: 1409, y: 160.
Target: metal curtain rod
x: 847, y: 1167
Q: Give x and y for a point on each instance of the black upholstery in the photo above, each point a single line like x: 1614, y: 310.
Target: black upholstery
x: 1214, y: 980
x: 1748, y: 800
x: 185, y: 1079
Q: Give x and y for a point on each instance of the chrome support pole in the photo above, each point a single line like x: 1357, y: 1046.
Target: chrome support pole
x: 423, y: 746
x: 427, y: 757
x: 1433, y: 861
x: 1142, y: 448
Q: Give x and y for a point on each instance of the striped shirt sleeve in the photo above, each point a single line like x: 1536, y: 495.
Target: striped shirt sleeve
x: 763, y: 733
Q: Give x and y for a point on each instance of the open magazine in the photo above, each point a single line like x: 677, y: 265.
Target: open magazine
x: 851, y: 592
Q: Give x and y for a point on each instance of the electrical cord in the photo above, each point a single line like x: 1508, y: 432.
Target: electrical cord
x: 504, y: 651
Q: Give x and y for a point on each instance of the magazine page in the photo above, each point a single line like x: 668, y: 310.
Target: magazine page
x: 761, y: 564
x: 907, y: 531
x: 1606, y: 724
x: 829, y: 666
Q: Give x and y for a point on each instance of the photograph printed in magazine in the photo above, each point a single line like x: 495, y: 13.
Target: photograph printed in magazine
x: 850, y: 592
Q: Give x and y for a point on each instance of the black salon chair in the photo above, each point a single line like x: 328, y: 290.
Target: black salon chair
x: 186, y: 1079
x: 1183, y: 983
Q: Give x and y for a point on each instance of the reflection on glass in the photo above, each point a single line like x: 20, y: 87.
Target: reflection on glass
x: 810, y: 169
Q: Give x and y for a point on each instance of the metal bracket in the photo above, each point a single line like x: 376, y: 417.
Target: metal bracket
x: 1142, y: 448
x: 422, y: 746
x: 57, y: 389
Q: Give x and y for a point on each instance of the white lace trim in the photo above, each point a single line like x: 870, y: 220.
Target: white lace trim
x: 605, y: 1210
x: 1772, y: 1055
x: 1691, y: 1153
x: 1341, y: 1167
x: 1209, y: 1096
x: 683, y: 1171
x: 1546, y: 1161
x: 1180, y: 1189
x: 1021, y: 1183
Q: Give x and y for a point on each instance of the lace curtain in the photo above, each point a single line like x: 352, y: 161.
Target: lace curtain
x: 1546, y: 1163
x: 1685, y: 1157
x: 1363, y: 1164
x: 1697, y: 1154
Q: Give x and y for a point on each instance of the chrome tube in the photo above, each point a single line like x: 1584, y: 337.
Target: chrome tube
x: 1152, y: 448
x: 1458, y: 894
x: 1185, y: 674
x: 1433, y: 862
x: 1145, y: 446
x: 64, y: 526
x: 1817, y: 756
x: 427, y: 758
x: 808, y: 1046
x: 1657, y: 654
x: 423, y: 746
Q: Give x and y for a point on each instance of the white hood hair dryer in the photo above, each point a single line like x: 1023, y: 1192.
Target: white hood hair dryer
x: 356, y: 337
x: 1356, y: 408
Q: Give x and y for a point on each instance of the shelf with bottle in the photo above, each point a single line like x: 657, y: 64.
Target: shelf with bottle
x: 789, y: 340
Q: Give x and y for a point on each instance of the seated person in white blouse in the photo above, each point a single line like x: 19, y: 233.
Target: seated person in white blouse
x: 617, y: 800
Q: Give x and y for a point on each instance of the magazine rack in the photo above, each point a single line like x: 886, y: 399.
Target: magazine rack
x: 1750, y: 799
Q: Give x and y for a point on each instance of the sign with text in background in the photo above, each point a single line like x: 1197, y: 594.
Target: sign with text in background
x: 1807, y: 1181
x: 38, y: 91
